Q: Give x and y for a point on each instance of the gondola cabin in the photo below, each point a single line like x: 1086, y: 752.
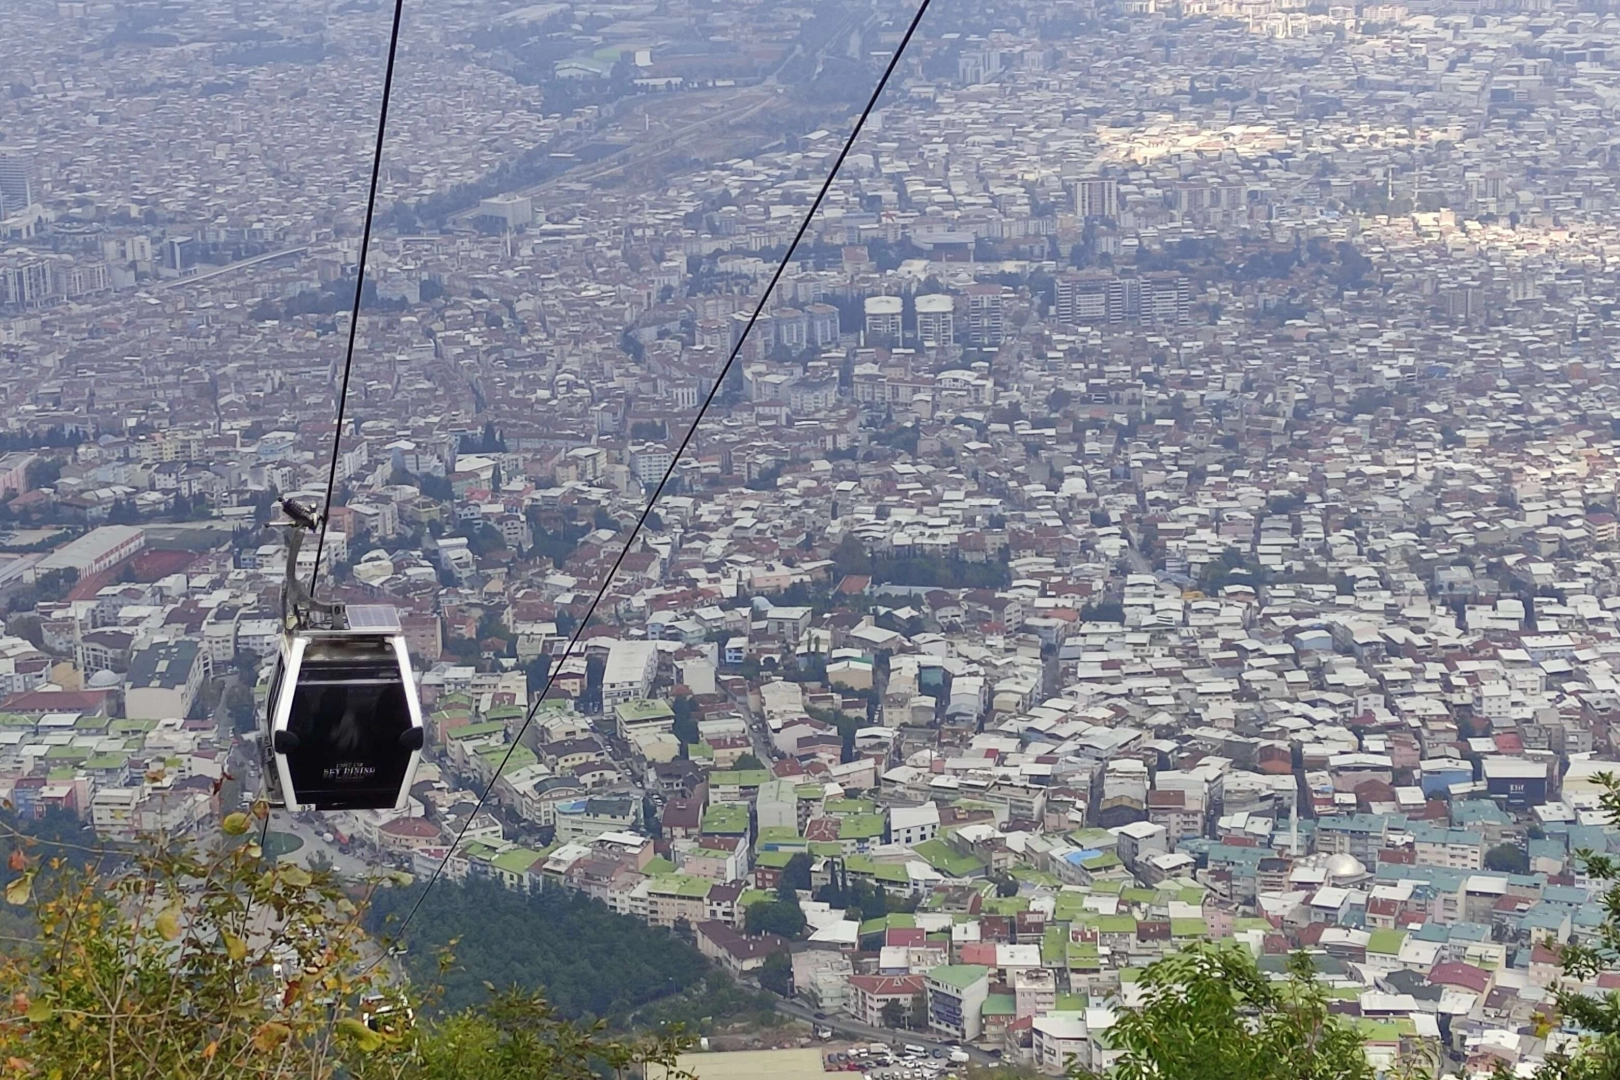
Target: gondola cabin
x: 345, y: 719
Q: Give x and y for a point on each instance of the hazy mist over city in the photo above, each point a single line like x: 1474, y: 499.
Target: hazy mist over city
x: 866, y: 600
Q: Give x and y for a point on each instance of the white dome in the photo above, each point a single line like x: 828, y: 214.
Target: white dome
x: 104, y: 680
x: 1344, y: 867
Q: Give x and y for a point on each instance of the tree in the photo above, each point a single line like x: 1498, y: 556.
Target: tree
x: 775, y: 917
x: 776, y: 974
x: 893, y: 1014
x: 1507, y: 859
x: 796, y: 874
x: 1596, y: 1053
x: 194, y: 961
x: 686, y: 725
x: 239, y: 706
x: 169, y: 962
x: 1209, y: 1013
x: 536, y: 672
x: 749, y: 761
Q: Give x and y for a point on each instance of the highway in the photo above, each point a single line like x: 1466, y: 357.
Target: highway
x: 854, y: 1029
x: 232, y: 268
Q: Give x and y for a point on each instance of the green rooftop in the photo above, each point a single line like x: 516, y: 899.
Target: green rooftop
x: 643, y: 711
x: 938, y: 854
x: 1040, y: 878
x: 893, y: 921
x: 1006, y: 905
x: 726, y: 819
x: 738, y: 778
x: 1386, y: 942
x: 516, y: 861
x: 851, y: 806
x: 958, y: 976
x: 658, y: 865
x: 521, y: 756
x: 681, y: 885
x: 999, y: 1005
x: 1053, y: 944
x: 860, y: 827
x: 477, y: 731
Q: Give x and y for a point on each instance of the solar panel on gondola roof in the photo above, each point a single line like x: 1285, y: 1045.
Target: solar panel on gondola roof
x: 381, y: 618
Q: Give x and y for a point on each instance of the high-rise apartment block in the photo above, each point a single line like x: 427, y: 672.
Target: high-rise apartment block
x: 19, y: 181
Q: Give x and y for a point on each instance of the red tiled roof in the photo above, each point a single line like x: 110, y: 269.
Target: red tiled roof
x: 1465, y: 976
x: 888, y: 985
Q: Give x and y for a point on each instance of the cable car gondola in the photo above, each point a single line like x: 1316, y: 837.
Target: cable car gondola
x: 343, y: 727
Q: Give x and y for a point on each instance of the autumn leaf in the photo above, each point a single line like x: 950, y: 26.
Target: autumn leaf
x: 364, y: 1038
x: 270, y: 1035
x: 39, y: 1012
x: 234, y: 824
x: 168, y: 923
x: 297, y: 877
x: 261, y: 809
x: 20, y: 890
x: 210, y: 1050
x: 18, y: 861
x: 235, y: 947
x: 18, y: 1065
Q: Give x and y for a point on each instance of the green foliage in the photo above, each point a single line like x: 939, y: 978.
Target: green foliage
x: 1507, y: 859
x: 520, y: 1036
x: 776, y: 974
x: 717, y: 1001
x: 1596, y: 1016
x: 591, y: 961
x: 775, y: 917
x: 1106, y: 610
x: 686, y: 726
x: 1209, y: 1013
x: 796, y: 874
x: 1221, y: 572
x: 893, y: 1014
x: 203, y: 960
x: 930, y: 570
x: 748, y: 761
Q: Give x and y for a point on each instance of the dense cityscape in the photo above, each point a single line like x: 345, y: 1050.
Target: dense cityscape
x: 1170, y: 494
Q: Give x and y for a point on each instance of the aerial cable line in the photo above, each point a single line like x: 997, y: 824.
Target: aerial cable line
x: 675, y: 460
x: 354, y: 324
x: 359, y: 289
